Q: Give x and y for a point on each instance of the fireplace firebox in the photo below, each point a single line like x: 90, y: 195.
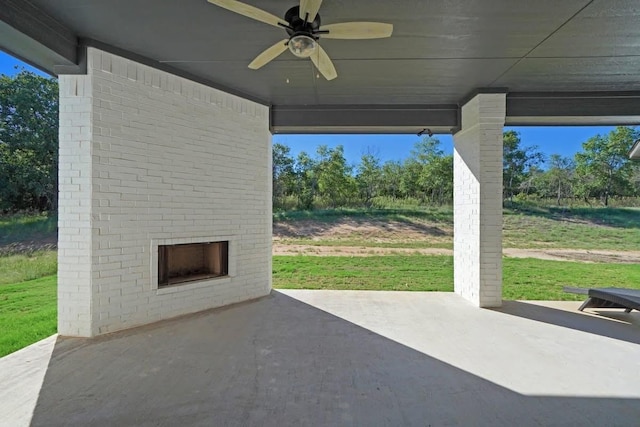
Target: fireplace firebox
x: 191, y: 262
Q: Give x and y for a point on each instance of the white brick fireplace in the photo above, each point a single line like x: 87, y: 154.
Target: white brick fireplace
x: 146, y: 159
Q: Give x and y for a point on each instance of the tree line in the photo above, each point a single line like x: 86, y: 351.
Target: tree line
x: 28, y: 142
x: 596, y: 174
x: 328, y: 180
x: 601, y: 171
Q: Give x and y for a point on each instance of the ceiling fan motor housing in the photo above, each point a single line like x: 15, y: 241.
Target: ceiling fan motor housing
x: 298, y: 25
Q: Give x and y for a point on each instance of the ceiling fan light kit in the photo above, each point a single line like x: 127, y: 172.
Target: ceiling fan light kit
x: 302, y: 45
x: 302, y: 24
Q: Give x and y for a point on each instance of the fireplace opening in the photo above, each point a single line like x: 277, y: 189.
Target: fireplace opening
x: 193, y: 261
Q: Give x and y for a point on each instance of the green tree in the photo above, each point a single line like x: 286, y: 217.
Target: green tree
x: 635, y: 178
x: 439, y: 176
x: 428, y: 173
x: 532, y: 181
x: 369, y: 177
x: 335, y: 183
x: 603, y: 169
x: 516, y: 163
x: 409, y: 179
x: 306, y: 180
x: 558, y: 180
x: 28, y: 142
x: 284, y: 178
x: 391, y: 176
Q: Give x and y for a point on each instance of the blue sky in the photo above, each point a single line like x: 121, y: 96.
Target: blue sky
x: 8, y: 65
x: 562, y: 140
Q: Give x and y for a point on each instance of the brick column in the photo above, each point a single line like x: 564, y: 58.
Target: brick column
x: 477, y: 198
x: 74, y: 207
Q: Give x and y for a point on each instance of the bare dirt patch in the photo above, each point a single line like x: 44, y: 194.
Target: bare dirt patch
x: 374, y: 230
x: 581, y: 255
x: 44, y: 243
x: 577, y: 255
x: 286, y: 249
x: 398, y: 232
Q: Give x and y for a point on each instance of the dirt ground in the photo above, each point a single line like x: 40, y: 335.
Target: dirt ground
x: 398, y: 232
x: 580, y: 255
x: 374, y: 230
x: 42, y: 243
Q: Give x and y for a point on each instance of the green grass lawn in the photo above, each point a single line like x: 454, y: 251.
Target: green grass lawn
x: 531, y: 279
x: 28, y: 306
x: 28, y: 309
x: 385, y: 273
x: 28, y: 313
x: 24, y: 267
x: 578, y: 228
x: 536, y: 279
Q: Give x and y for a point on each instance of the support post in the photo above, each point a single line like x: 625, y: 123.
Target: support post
x: 477, y: 198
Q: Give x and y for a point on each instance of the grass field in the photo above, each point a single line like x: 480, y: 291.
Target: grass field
x: 579, y: 228
x: 523, y: 227
x: 385, y: 273
x: 528, y: 279
x: 28, y: 284
x: 21, y: 268
x: 28, y: 309
x: 28, y: 313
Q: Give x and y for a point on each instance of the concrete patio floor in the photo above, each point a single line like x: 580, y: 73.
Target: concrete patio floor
x: 333, y: 358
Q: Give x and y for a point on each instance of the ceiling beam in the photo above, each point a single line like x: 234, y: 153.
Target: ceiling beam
x: 34, y: 37
x: 423, y: 119
x: 573, y: 108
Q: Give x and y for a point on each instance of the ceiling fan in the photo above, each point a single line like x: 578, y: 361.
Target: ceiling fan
x: 302, y: 24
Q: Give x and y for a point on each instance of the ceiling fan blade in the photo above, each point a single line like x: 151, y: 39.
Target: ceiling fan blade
x: 310, y: 7
x: 323, y: 63
x: 357, y: 30
x: 269, y: 54
x: 250, y: 12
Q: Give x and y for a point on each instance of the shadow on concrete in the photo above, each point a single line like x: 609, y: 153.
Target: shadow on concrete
x: 280, y: 362
x: 613, y: 324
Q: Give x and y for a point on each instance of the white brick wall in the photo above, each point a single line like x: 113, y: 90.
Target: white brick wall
x: 147, y: 156
x: 477, y: 231
x: 74, y: 206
